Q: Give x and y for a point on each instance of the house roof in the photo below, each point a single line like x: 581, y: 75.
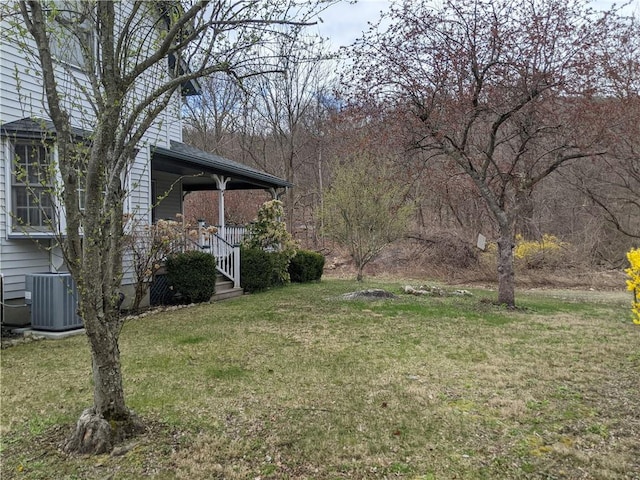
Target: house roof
x: 35, y: 128
x: 197, y: 168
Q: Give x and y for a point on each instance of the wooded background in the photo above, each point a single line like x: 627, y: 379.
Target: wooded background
x: 566, y: 160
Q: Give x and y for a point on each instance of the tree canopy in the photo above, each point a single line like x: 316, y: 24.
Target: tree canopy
x: 365, y: 208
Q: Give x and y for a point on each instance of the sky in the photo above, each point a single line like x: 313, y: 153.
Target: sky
x: 344, y: 22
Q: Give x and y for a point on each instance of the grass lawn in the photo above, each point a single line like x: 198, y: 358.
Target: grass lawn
x: 298, y: 383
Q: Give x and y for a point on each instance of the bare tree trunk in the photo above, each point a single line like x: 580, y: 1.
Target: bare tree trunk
x: 107, y: 391
x: 506, y: 272
x: 319, y: 233
x: 109, y: 421
x: 289, y: 168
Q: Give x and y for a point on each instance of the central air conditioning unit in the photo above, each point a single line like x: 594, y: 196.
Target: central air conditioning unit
x: 53, y: 298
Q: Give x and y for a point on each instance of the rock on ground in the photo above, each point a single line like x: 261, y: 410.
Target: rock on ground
x: 371, y: 294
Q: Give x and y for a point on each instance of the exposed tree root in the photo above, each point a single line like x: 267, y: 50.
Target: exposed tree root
x: 94, y: 435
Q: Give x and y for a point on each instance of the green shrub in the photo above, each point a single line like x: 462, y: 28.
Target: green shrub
x: 256, y: 269
x: 192, y: 275
x: 306, y: 266
x: 260, y: 270
x: 280, y: 271
x: 270, y: 233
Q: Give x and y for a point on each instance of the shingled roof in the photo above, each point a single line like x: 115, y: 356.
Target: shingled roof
x: 36, y: 128
x: 197, y: 166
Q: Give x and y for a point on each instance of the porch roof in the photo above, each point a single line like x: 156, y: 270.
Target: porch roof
x: 198, y: 167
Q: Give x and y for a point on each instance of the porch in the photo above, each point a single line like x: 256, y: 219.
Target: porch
x: 180, y: 170
x: 224, y: 245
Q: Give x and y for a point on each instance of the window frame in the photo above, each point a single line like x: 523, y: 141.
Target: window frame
x: 68, y: 49
x: 14, y: 228
x: 58, y: 225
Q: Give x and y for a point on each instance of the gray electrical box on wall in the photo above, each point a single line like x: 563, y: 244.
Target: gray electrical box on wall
x: 53, y: 298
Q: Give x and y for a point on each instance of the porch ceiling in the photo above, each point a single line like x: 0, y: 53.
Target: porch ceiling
x: 197, y: 167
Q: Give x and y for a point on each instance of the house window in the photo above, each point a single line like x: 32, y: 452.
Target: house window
x: 73, y: 32
x: 31, y: 186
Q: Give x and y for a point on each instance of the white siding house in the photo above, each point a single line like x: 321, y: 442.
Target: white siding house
x: 162, y: 161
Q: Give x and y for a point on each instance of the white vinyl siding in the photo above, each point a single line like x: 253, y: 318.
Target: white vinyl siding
x: 17, y: 103
x: 3, y: 196
x: 20, y: 257
x: 22, y: 96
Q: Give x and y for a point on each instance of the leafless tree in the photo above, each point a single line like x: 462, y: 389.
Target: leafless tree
x: 499, y: 89
x: 281, y: 109
x: 123, y: 86
x: 614, y: 185
x: 212, y: 121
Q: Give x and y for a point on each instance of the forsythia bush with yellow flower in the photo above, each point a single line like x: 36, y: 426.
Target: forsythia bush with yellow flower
x: 549, y: 251
x: 633, y: 282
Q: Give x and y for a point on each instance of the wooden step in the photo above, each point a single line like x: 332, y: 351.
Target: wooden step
x: 225, y: 290
x: 227, y: 294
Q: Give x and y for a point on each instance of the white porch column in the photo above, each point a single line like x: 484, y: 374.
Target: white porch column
x: 221, y: 184
x: 276, y: 193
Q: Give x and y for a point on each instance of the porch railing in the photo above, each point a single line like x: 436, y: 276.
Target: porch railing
x: 233, y: 234
x: 224, y: 245
x: 227, y: 256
